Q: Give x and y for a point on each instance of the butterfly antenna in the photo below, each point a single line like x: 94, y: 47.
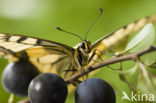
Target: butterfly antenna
x: 60, y: 29
x: 101, y: 11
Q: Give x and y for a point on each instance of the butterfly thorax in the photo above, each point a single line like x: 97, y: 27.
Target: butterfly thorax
x: 81, y: 53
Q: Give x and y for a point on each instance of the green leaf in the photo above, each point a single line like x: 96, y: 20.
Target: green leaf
x: 149, y: 58
x: 142, y: 40
x: 147, y: 82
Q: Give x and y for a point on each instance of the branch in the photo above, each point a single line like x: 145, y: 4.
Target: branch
x: 26, y: 100
x: 133, y: 56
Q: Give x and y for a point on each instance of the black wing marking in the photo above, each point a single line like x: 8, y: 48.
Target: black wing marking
x: 48, y: 56
x: 120, y: 34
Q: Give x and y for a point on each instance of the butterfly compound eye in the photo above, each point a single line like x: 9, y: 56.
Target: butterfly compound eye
x: 82, y: 46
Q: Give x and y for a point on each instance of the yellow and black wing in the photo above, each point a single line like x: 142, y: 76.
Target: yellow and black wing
x: 118, y: 36
x: 47, y: 56
x: 51, y: 56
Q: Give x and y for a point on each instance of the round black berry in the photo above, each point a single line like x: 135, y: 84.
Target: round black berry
x: 94, y: 90
x: 47, y: 88
x: 17, y: 76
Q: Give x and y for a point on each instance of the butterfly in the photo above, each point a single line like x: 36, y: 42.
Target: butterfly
x: 50, y: 56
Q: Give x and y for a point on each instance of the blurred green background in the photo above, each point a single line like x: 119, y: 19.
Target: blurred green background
x: 39, y: 18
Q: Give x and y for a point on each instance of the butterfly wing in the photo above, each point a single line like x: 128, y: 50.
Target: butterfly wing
x: 118, y: 36
x: 48, y: 56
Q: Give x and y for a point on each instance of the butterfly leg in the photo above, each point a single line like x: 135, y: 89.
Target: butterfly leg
x: 93, y: 54
x: 76, y: 82
x: 66, y: 71
x: 82, y: 71
x: 70, y: 69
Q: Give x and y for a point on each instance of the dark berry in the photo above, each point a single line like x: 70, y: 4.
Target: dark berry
x: 94, y: 90
x: 47, y: 88
x: 17, y: 76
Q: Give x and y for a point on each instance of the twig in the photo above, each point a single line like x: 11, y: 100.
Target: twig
x: 133, y: 56
x: 26, y: 100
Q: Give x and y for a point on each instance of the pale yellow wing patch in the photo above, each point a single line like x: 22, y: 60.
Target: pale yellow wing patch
x: 46, y: 55
x: 52, y: 63
x: 117, y: 37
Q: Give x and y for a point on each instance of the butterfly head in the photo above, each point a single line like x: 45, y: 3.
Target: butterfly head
x: 85, y: 46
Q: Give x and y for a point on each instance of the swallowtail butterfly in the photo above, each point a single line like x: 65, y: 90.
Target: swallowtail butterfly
x: 50, y: 56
